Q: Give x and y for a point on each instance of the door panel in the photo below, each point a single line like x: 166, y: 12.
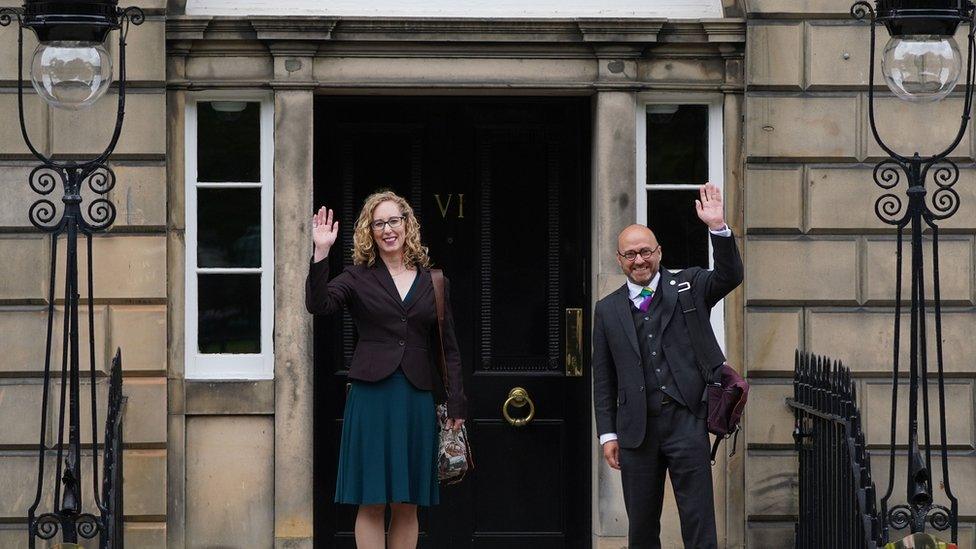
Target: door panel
x: 499, y: 187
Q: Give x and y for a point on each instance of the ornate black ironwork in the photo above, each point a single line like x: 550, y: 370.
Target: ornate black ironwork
x: 834, y: 464
x: 70, y: 220
x: 918, y: 213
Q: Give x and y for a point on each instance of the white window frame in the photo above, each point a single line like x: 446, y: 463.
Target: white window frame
x: 252, y: 366
x: 716, y: 167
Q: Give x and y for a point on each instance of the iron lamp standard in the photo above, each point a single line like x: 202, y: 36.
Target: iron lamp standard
x: 921, y: 63
x: 71, y: 69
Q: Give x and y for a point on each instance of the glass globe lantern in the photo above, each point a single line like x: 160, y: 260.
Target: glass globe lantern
x: 71, y: 75
x: 921, y: 68
x: 922, y: 62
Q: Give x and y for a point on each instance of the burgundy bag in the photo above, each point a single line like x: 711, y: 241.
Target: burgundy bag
x: 726, y: 395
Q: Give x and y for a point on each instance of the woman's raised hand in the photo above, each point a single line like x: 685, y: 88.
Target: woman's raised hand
x: 324, y: 232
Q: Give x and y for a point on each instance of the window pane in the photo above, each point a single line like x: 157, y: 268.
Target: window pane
x: 229, y: 227
x: 677, y: 144
x: 229, y: 318
x: 228, y: 141
x: 682, y: 236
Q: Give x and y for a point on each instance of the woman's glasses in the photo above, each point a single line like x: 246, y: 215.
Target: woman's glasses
x: 393, y: 222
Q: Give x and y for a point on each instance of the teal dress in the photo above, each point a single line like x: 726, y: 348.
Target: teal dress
x: 388, y: 452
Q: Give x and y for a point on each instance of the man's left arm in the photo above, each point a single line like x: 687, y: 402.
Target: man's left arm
x: 728, y: 271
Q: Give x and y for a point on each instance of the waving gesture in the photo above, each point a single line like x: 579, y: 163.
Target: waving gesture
x: 710, y: 208
x: 324, y: 232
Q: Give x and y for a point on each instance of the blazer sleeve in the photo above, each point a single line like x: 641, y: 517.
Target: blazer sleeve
x: 604, y: 379
x: 457, y: 403
x: 728, y: 271
x: 324, y: 296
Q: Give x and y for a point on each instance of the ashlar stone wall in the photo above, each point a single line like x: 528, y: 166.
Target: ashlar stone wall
x: 130, y: 284
x: 821, y: 265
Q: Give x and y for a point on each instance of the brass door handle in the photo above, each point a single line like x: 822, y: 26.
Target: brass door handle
x: 518, y: 397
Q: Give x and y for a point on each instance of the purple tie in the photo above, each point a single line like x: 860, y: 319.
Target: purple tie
x: 647, y: 294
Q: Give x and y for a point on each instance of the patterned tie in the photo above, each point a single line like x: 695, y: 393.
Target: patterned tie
x: 647, y: 294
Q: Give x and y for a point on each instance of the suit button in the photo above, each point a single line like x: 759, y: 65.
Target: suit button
x: 647, y: 318
x: 658, y: 370
x: 402, y: 343
x: 653, y: 353
x: 662, y: 387
x: 642, y: 388
x: 403, y: 319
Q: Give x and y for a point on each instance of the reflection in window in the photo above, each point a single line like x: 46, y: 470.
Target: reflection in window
x: 228, y: 141
x: 682, y: 236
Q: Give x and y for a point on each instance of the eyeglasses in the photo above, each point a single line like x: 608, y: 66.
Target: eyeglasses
x: 645, y: 253
x: 393, y: 222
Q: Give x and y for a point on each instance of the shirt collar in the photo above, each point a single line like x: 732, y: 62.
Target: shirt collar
x: 635, y: 289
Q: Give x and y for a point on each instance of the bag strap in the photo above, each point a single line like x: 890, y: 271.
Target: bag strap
x: 695, y: 331
x: 437, y: 277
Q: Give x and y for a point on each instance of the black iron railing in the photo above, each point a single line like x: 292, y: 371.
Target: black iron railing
x: 111, y: 507
x: 837, y: 495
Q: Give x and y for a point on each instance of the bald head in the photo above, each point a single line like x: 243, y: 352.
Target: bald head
x: 639, y: 240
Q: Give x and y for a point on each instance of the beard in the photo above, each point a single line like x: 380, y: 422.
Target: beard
x: 642, y: 277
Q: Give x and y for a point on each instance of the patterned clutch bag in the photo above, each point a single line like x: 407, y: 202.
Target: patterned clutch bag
x: 454, y: 458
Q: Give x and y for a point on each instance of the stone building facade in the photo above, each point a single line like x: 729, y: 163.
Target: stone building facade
x: 224, y: 458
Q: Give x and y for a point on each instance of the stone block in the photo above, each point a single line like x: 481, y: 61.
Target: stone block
x: 89, y: 131
x: 19, y: 325
x: 772, y: 485
x: 772, y: 337
x: 843, y: 199
x: 876, y: 410
x: 140, y: 331
x: 807, y: 128
x: 770, y: 534
x: 905, y: 127
x: 20, y: 411
x: 19, y: 196
x: 125, y: 266
x: 838, y: 55
x: 145, y: 52
x: 256, y: 68
x: 799, y: 8
x: 234, y: 457
x: 145, y: 413
x: 145, y: 535
x: 955, y: 266
x: 768, y: 420
x: 774, y: 54
x: 670, y: 69
x: 103, y: 358
x: 863, y: 339
x: 35, y: 111
x: 774, y: 198
x: 962, y: 479
x: 25, y: 267
x: 140, y: 195
x: 18, y: 476
x: 801, y: 270
x: 8, y: 45
x: 145, y: 482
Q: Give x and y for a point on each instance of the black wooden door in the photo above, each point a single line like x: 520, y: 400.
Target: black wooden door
x: 500, y: 187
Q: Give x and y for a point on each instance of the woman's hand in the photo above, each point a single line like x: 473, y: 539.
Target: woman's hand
x: 324, y: 232
x: 454, y: 424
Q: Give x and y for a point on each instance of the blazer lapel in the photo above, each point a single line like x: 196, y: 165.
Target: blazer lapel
x: 382, y: 275
x: 423, y: 285
x: 668, y: 291
x: 622, y: 304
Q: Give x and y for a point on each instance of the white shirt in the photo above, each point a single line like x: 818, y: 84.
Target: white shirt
x: 634, y: 291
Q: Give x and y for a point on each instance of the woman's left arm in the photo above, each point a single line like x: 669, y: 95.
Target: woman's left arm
x: 457, y: 404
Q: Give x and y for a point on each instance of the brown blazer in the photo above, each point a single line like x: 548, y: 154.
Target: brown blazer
x: 392, y: 333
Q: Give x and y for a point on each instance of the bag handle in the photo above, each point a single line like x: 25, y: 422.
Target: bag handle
x: 437, y: 277
x: 694, y: 329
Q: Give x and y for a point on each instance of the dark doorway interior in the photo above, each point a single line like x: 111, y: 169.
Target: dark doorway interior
x: 501, y: 190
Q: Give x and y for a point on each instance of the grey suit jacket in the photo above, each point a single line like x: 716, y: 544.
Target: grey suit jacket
x: 619, y: 393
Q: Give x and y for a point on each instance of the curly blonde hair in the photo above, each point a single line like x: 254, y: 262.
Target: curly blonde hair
x: 364, y: 246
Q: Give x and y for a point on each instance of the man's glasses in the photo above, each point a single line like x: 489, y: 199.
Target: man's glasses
x: 645, y: 253
x: 393, y: 222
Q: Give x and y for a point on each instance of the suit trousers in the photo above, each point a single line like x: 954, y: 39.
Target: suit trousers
x: 676, y: 442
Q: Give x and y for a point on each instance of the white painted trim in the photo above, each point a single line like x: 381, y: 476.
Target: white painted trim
x: 508, y: 9
x: 230, y: 366
x: 716, y: 166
